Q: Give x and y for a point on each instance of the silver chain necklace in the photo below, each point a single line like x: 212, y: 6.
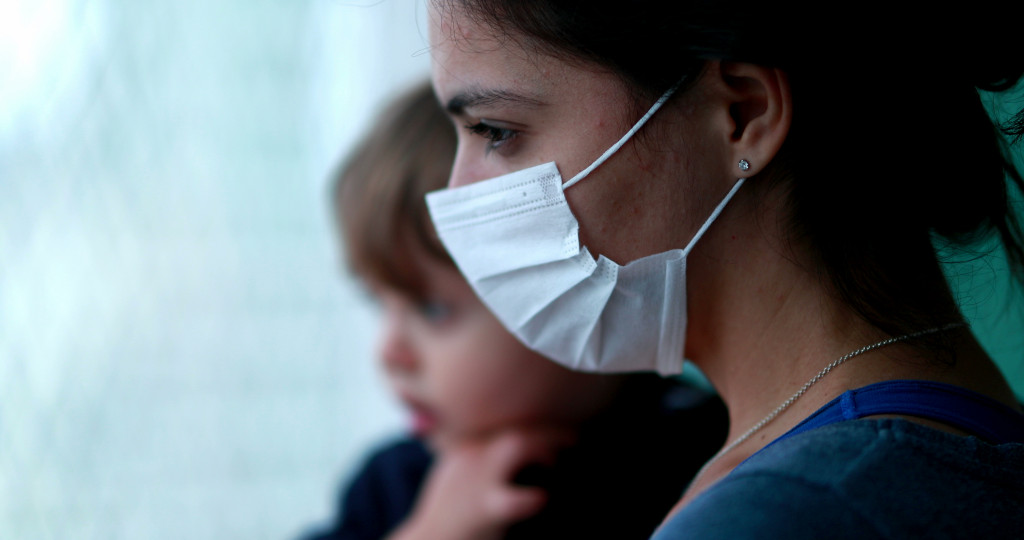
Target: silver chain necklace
x: 835, y: 363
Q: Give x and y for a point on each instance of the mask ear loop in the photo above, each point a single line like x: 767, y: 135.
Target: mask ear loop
x: 713, y: 216
x: 615, y: 147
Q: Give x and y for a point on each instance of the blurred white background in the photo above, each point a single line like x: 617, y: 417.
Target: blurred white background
x: 179, y: 354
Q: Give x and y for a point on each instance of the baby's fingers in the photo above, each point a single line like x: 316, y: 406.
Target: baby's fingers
x: 512, y: 504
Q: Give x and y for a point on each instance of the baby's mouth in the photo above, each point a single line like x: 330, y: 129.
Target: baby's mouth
x: 423, y: 419
x: 423, y: 422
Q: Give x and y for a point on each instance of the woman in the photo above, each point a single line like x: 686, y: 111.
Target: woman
x: 809, y: 290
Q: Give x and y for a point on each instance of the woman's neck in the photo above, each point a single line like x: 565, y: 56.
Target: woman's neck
x: 760, y: 323
x: 761, y: 326
x: 784, y: 335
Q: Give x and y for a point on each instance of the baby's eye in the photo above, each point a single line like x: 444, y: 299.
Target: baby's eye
x: 495, y: 135
x: 434, y: 311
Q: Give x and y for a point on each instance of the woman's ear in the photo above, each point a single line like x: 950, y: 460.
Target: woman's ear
x: 757, y: 111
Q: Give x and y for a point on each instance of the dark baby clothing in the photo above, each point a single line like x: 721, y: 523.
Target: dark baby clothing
x: 629, y: 467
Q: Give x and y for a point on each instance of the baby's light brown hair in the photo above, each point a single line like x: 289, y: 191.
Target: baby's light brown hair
x: 379, y: 191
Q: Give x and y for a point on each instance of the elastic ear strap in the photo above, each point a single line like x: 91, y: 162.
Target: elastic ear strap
x: 608, y: 153
x: 714, y: 216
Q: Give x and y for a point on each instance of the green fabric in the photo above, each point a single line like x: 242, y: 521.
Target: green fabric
x: 989, y: 298
x: 994, y: 305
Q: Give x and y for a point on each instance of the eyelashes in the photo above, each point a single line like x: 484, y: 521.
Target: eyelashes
x: 497, y: 137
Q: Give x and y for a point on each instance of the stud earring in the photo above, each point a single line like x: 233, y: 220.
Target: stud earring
x: 744, y: 165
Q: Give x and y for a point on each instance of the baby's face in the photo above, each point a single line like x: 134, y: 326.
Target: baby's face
x: 462, y: 375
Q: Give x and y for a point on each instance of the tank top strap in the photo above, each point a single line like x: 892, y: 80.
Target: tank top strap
x: 966, y: 410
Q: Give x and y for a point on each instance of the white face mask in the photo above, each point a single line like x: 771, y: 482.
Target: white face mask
x: 516, y: 241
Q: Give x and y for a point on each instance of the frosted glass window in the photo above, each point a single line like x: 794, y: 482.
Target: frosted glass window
x: 179, y: 354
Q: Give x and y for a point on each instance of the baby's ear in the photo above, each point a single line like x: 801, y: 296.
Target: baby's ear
x: 757, y: 110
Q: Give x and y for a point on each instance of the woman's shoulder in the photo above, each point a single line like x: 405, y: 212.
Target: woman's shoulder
x: 864, y: 479
x: 904, y: 452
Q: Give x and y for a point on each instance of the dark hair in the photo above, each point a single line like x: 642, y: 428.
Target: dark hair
x: 890, y: 147
x: 379, y: 192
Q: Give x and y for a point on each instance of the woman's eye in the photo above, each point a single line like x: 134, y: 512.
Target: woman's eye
x: 496, y: 136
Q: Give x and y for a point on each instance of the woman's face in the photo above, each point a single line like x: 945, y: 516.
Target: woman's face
x: 515, y: 109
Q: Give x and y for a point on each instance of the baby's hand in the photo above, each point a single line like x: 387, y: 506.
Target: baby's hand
x: 469, y: 494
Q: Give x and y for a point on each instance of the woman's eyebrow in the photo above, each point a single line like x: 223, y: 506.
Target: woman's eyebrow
x: 478, y: 97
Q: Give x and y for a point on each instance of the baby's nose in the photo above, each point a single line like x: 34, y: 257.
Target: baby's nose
x: 394, y: 349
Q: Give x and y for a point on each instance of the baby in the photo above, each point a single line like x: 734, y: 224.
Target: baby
x: 504, y: 443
